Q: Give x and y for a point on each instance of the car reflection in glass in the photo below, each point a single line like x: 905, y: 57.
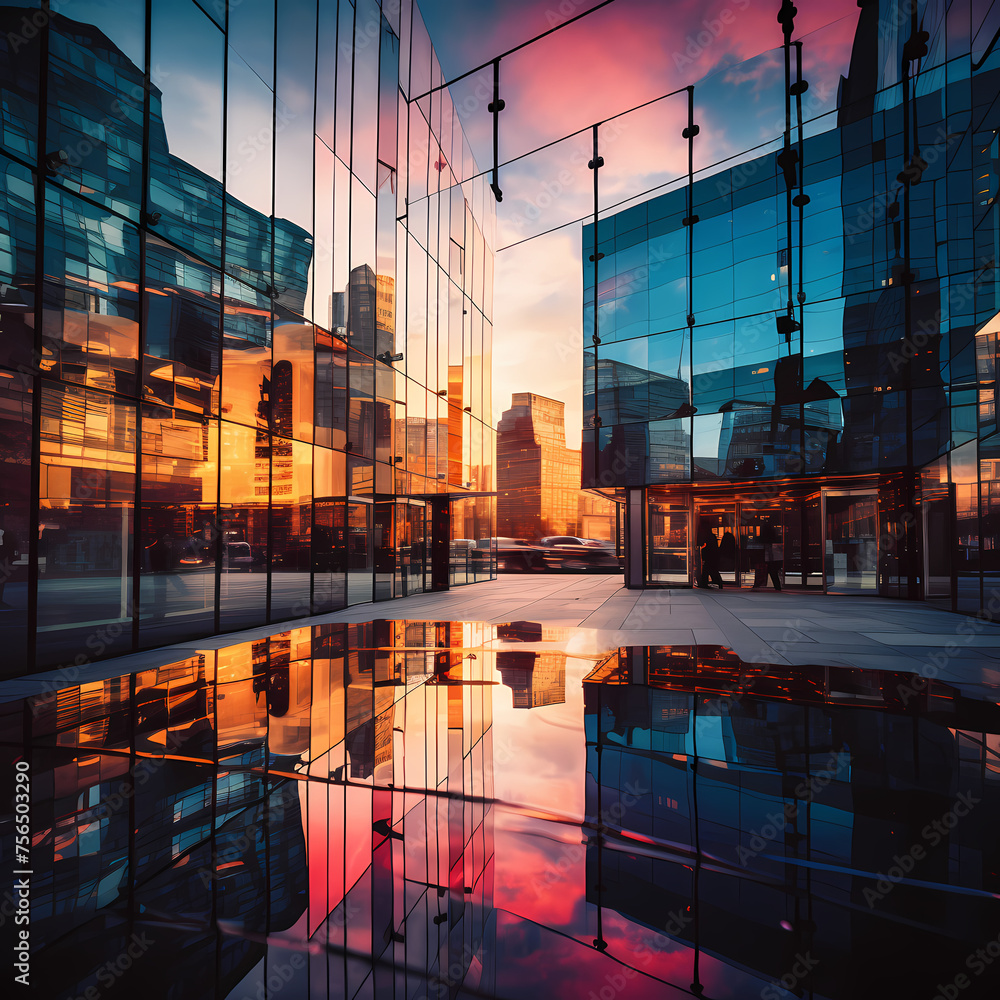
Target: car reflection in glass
x: 517, y: 555
x: 237, y: 558
x: 572, y: 554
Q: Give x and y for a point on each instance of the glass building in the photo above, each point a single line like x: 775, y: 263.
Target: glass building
x: 245, y: 295
x: 795, y: 348
x: 537, y: 475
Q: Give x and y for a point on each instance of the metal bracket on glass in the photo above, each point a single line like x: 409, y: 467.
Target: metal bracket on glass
x: 495, y: 107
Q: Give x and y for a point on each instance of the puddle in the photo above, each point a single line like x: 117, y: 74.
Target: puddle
x: 428, y: 809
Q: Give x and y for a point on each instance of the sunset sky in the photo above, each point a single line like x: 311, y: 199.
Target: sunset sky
x: 628, y: 53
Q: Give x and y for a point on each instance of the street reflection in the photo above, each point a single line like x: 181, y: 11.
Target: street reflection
x: 415, y: 809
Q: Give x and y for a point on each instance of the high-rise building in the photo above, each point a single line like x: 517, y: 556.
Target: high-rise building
x: 538, y: 477
x: 242, y: 249
x: 815, y: 324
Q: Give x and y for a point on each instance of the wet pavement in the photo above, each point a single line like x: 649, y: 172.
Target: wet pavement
x: 414, y: 809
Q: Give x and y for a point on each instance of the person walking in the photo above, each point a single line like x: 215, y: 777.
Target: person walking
x: 710, y: 561
x: 773, y: 553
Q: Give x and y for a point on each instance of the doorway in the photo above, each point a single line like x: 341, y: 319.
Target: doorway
x: 762, y: 548
x: 851, y: 557
x: 669, y: 544
x: 720, y: 520
x: 410, y: 548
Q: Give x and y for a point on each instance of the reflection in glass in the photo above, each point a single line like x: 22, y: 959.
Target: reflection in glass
x: 236, y: 172
x: 91, y: 301
x: 359, y: 553
x: 86, y: 498
x: 243, y: 513
x: 181, y: 353
x: 15, y: 471
x: 94, y: 143
x: 178, y: 526
x: 258, y: 787
x: 186, y: 119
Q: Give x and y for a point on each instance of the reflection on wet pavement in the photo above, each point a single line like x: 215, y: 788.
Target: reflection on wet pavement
x: 424, y: 809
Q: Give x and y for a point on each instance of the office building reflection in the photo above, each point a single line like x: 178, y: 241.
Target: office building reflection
x: 763, y: 790
x: 205, y: 349
x: 243, y: 807
x: 534, y: 678
x: 538, y: 477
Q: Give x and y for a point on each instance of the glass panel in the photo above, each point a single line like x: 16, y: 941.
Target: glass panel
x: 359, y: 553
x: 345, y: 79
x: 246, y: 353
x: 186, y: 117
x: 17, y: 265
x: 388, y: 97
x: 251, y: 33
x: 321, y: 293
x: 367, y: 31
x: 15, y: 530
x: 383, y: 542
x: 249, y: 199
x: 86, y: 490
x: 244, y: 489
x: 851, y: 544
x: 329, y: 546
x: 719, y: 520
x: 91, y: 305
x: 361, y: 406
x: 331, y: 391
x: 291, y: 390
x: 293, y: 159
x: 668, y: 543
x: 95, y: 119
x: 181, y: 361
x: 177, y: 526
x: 19, y: 81
x: 291, y: 527
x: 963, y: 470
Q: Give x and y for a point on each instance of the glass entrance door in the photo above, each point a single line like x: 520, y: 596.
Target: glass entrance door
x: 669, y: 555
x: 937, y: 512
x: 761, y: 544
x: 410, y: 534
x: 851, y: 559
x: 720, y: 520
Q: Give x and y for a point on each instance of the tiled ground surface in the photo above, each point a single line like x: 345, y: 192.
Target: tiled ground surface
x: 763, y: 626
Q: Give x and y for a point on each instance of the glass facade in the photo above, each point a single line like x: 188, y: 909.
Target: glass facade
x: 245, y: 295
x: 796, y: 347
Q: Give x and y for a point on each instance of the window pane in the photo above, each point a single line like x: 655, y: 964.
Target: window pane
x: 177, y: 527
x: 291, y: 527
x: 17, y: 265
x: 86, y: 490
x: 91, y: 312
x: 95, y: 119
x: 15, y: 472
x: 248, y: 175
x: 244, y: 489
x: 181, y: 363
x: 186, y: 127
